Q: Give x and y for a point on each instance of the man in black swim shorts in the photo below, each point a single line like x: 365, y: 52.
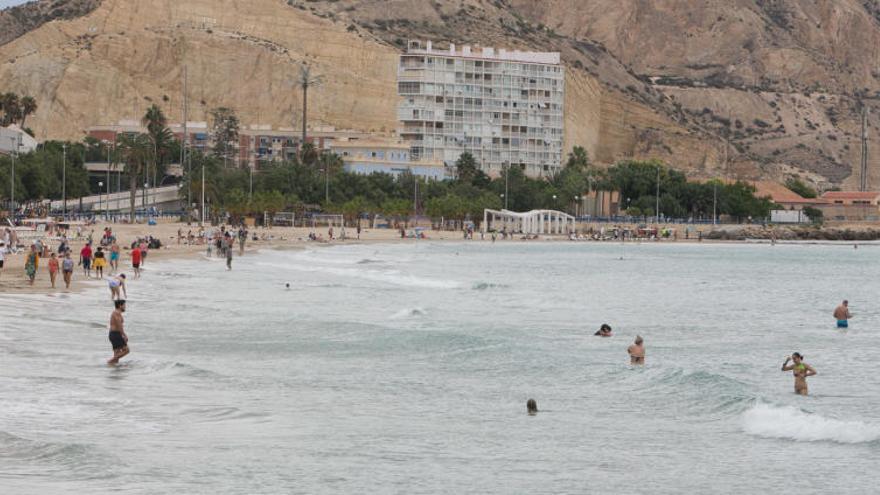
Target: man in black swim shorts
x: 118, y: 338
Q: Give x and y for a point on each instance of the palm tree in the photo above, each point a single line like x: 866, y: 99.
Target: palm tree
x: 160, y: 136
x: 11, y: 107
x: 135, y: 151
x: 28, y: 107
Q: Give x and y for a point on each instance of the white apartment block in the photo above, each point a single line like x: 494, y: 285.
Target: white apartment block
x: 504, y: 107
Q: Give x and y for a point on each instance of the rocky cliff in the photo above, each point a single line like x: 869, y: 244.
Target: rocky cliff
x: 740, y: 88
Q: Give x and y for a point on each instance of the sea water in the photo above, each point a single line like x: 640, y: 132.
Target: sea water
x: 405, y: 368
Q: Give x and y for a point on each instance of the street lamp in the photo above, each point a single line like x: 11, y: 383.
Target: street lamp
x: 64, y: 181
x: 14, y: 150
x: 107, y: 213
x: 100, y: 185
x: 326, y: 172
x: 504, y: 197
x: 714, y: 202
x: 657, y: 209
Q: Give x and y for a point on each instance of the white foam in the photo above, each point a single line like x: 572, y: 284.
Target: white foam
x: 769, y: 421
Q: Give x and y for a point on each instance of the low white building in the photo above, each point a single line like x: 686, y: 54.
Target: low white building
x: 13, y: 139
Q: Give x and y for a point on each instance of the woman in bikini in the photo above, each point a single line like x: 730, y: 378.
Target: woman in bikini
x: 801, y: 371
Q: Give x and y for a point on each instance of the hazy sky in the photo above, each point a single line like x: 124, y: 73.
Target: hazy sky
x: 9, y: 3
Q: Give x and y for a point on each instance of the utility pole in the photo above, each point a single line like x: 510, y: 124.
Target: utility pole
x: 183, y: 150
x: 64, y: 180
x: 306, y: 79
x: 202, y: 215
x: 107, y: 213
x: 863, y: 176
x: 714, y: 202
x: 12, y: 180
x: 657, y: 210
x: 506, y: 175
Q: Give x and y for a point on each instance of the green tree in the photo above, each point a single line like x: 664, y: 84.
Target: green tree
x: 801, y: 188
x: 135, y: 151
x: 224, y: 132
x: 28, y: 107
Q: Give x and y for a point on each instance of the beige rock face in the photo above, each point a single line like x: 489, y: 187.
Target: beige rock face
x: 113, y: 63
x: 741, y: 88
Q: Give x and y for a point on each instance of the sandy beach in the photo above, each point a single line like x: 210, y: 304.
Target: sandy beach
x: 14, y: 280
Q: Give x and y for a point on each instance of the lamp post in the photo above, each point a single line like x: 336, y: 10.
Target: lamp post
x: 12, y: 180
x: 714, y: 202
x: 100, y: 185
x: 64, y: 181
x: 577, y: 206
x: 506, y: 176
x: 657, y: 209
x: 107, y: 205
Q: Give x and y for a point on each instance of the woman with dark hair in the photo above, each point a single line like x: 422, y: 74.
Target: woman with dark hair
x: 604, y: 331
x: 801, y: 371
x: 532, y: 407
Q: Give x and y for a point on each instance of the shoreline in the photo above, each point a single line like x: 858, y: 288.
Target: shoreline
x: 14, y: 281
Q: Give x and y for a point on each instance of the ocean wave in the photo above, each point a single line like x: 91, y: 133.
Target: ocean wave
x: 488, y: 286
x: 75, y: 456
x: 409, y: 313
x: 391, y: 277
x: 768, y: 421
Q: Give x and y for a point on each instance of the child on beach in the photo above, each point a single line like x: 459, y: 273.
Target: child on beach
x: 136, y: 261
x: 53, y: 269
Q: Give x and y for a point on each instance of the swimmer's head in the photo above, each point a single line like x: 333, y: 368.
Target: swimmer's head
x: 287, y: 286
x: 532, y: 407
x: 639, y: 340
x: 119, y: 304
x: 845, y: 302
x: 605, y: 328
x: 797, y: 357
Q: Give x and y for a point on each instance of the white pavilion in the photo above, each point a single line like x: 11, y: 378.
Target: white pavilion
x: 530, y: 222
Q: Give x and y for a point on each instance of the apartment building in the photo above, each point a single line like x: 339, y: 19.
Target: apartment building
x: 367, y: 156
x: 504, y: 107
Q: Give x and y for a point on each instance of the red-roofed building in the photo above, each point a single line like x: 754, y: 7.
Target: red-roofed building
x: 852, y: 198
x: 851, y: 206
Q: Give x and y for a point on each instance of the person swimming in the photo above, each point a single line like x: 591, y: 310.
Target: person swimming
x: 532, y: 407
x: 801, y: 371
x: 604, y: 331
x: 637, y: 351
x: 842, y: 314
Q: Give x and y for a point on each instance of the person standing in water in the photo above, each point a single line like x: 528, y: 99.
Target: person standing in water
x: 114, y: 257
x: 136, y: 261
x: 842, y: 315
x: 229, y: 247
x: 637, y: 351
x: 100, y: 262
x: 53, y: 269
x: 67, y: 269
x: 118, y: 338
x: 801, y: 371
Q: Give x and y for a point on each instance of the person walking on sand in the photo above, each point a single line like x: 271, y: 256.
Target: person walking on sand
x: 67, y: 269
x: 85, y: 259
x: 637, y: 351
x: 114, y: 257
x: 116, y: 283
x: 118, y: 338
x: 53, y: 269
x: 100, y: 262
x: 136, y: 261
x: 31, y: 263
x: 801, y: 371
x: 842, y: 315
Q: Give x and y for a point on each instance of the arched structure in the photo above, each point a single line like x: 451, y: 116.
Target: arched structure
x: 530, y: 222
